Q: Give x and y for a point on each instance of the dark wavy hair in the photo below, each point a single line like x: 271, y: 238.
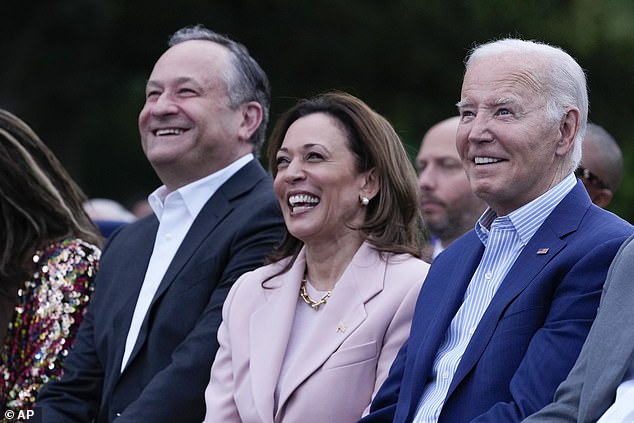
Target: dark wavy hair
x: 393, y: 221
x: 39, y: 201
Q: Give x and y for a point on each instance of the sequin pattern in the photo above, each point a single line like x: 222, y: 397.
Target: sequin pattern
x: 50, y: 307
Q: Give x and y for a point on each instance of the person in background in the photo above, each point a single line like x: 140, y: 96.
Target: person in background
x: 341, y: 288
x: 505, y: 309
x: 141, y: 208
x: 107, y: 214
x: 601, y: 166
x: 49, y: 255
x: 449, y: 206
x: 599, y: 388
x: 144, y: 351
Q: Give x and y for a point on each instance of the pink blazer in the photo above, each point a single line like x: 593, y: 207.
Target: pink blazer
x: 369, y: 316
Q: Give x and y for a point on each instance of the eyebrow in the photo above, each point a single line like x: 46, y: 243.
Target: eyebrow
x: 463, y: 103
x: 502, y: 101
x: 499, y: 102
x: 305, y: 146
x: 178, y: 81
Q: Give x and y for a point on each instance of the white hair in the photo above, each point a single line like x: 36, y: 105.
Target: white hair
x: 562, y: 79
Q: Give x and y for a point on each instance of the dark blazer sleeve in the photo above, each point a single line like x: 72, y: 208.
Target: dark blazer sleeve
x: 383, y: 405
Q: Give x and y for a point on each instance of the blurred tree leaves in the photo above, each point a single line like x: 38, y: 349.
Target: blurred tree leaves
x: 76, y: 69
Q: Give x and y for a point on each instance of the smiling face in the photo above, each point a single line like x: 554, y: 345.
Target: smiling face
x: 317, y: 181
x: 511, y: 151
x: 187, y: 128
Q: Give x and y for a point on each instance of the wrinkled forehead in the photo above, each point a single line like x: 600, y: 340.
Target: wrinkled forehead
x: 503, y: 79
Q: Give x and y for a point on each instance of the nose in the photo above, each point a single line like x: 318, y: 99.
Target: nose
x: 427, y: 178
x: 294, y: 172
x: 163, y: 105
x: 478, y: 128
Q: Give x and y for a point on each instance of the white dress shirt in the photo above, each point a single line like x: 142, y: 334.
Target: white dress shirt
x: 504, y: 238
x: 176, y: 211
x: 622, y: 410
x: 438, y: 248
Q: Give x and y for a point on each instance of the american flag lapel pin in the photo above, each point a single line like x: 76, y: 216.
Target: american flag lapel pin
x: 542, y: 251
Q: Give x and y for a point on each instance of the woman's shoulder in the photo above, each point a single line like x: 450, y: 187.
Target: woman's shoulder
x: 263, y: 273
x: 68, y: 249
x: 68, y: 256
x: 406, y: 263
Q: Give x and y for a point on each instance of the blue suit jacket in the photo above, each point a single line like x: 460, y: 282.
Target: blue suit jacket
x: 168, y: 370
x: 531, y: 333
x: 590, y: 388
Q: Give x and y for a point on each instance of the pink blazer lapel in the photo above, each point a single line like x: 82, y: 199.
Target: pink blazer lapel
x: 269, y: 330
x: 344, y: 312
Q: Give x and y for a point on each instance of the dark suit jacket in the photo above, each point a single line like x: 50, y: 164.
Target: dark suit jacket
x: 531, y: 333
x: 168, y: 370
x: 590, y: 388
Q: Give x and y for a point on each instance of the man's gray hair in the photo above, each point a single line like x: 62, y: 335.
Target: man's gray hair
x: 246, y: 81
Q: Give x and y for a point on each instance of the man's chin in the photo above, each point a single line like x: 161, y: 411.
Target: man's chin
x: 435, y: 226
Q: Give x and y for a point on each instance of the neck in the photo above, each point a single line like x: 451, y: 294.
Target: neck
x: 326, y: 262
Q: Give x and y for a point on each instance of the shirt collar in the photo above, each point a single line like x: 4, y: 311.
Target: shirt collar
x: 196, y: 194
x: 527, y: 219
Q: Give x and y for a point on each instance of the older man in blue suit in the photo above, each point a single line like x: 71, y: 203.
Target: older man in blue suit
x: 505, y: 309
x: 145, y: 348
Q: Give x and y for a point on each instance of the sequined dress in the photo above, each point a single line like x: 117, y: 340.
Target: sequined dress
x: 50, y: 307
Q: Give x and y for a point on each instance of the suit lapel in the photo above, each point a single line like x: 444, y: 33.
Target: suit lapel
x: 442, y: 292
x: 267, y: 344
x: 545, y: 244
x: 342, y: 315
x: 143, y: 239
x: 214, y: 211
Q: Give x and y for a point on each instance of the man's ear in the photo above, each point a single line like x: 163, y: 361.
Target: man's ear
x: 568, y: 128
x: 252, y: 115
x: 371, y: 184
x: 602, y: 197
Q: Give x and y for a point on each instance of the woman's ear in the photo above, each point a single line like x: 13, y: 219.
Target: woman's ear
x: 371, y: 184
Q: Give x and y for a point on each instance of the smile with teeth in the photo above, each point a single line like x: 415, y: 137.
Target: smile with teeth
x: 485, y: 160
x: 168, y: 131
x: 301, y: 202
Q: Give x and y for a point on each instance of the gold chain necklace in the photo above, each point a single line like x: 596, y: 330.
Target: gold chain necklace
x: 303, y: 294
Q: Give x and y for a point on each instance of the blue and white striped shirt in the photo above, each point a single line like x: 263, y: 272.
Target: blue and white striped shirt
x: 504, y: 238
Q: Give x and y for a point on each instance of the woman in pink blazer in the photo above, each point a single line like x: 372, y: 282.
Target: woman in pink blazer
x: 311, y: 336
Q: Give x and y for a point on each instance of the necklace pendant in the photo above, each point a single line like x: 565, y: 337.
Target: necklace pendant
x: 314, y: 304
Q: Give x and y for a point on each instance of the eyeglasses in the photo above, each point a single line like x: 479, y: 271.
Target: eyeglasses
x: 591, y: 178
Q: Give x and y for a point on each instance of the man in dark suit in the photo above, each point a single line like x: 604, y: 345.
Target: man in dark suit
x: 504, y: 310
x: 144, y: 351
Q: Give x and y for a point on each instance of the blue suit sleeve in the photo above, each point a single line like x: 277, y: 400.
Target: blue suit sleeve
x: 384, y: 403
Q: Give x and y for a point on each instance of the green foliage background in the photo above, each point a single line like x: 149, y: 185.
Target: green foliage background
x: 76, y: 69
